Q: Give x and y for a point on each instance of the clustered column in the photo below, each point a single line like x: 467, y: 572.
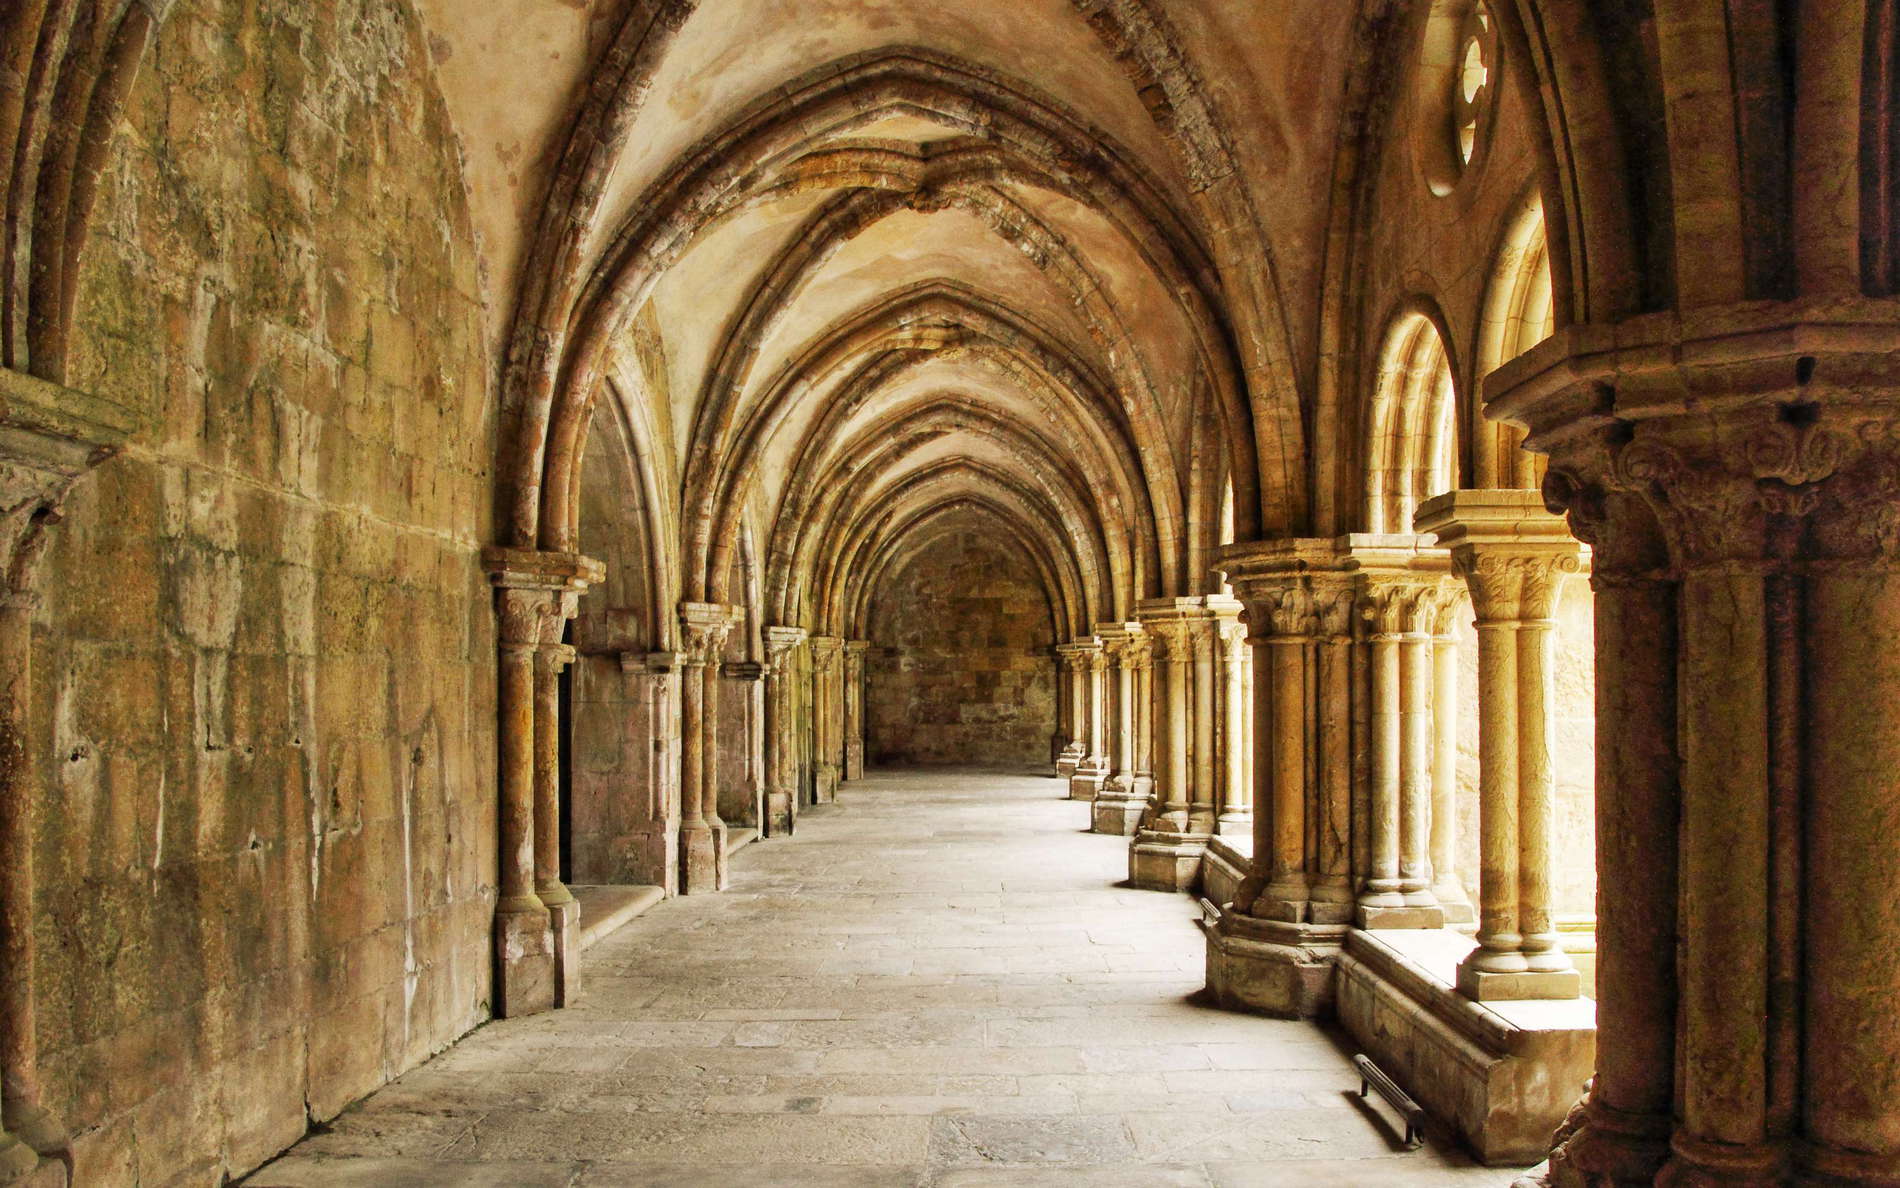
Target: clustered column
x: 703, y: 627
x: 1123, y: 799
x: 564, y: 914
x: 1747, y: 557
x: 1092, y: 769
x: 1513, y: 557
x: 1073, y: 715
x: 1271, y: 948
x: 1402, y: 598
x: 536, y: 920
x: 781, y: 746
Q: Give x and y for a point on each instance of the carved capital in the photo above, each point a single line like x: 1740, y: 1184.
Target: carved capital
x: 826, y: 650
x: 523, y: 613
x: 1747, y: 437
x: 1288, y: 612
x: 1172, y: 639
x: 704, y: 627
x: 779, y: 642
x: 1403, y: 604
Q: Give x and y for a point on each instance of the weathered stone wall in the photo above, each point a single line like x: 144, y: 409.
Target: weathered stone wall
x: 265, y: 684
x: 961, y: 668
x: 623, y: 789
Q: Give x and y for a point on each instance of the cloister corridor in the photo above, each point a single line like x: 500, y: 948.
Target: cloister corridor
x: 939, y: 980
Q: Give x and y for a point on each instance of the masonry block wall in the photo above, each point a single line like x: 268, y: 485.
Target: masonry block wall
x: 265, y: 672
x: 961, y: 668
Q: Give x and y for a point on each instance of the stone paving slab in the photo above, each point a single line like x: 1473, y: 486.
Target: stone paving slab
x: 938, y: 982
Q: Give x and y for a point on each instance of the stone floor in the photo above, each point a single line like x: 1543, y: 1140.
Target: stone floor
x: 938, y: 982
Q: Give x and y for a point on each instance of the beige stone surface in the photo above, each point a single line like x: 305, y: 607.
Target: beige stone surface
x: 937, y: 981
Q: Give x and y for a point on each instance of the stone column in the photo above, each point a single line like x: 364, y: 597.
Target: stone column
x: 827, y: 655
x: 50, y: 439
x: 1446, y: 886
x: 1172, y: 778
x: 1143, y: 789
x: 1280, y: 616
x: 1207, y: 758
x: 781, y: 747
x: 537, y: 592
x: 1167, y: 851
x: 1069, y: 655
x: 1092, y: 771
x: 854, y: 708
x: 1120, y: 804
x: 564, y: 914
x: 703, y: 630
x: 1512, y: 556
x: 1335, y: 603
x: 1762, y: 443
x: 1272, y: 948
x: 1236, y: 801
x: 1402, y: 586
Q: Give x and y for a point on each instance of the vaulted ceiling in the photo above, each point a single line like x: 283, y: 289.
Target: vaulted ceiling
x: 848, y: 264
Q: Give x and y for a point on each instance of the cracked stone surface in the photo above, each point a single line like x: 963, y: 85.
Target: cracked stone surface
x: 937, y: 982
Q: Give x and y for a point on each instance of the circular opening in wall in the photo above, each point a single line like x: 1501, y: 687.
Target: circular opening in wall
x: 1457, y: 74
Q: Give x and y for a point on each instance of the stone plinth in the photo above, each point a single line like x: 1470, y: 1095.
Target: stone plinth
x: 1160, y: 861
x: 1119, y: 811
x: 1503, y: 1075
x: 1270, y: 967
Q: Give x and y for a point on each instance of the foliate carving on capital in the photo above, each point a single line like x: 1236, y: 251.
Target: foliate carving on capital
x: 1171, y: 640
x: 1288, y: 613
x: 779, y: 642
x: 1769, y: 486
x: 1404, y: 606
x: 704, y: 627
x: 522, y: 615
x: 704, y: 642
x: 1233, y: 639
x: 1514, y: 587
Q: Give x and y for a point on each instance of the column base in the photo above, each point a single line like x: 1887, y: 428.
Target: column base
x: 702, y: 858
x: 1609, y: 1150
x: 1118, y: 811
x: 1087, y: 782
x: 653, y: 856
x: 778, y: 813
x: 1378, y: 917
x: 1267, y: 967
x: 825, y: 784
x: 1483, y: 985
x: 564, y: 923
x: 854, y: 763
x: 1502, y: 1075
x: 1234, y: 825
x: 1066, y: 763
x: 1166, y: 861
x: 524, y: 963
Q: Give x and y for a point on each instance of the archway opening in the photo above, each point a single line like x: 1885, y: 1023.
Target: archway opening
x: 961, y: 667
